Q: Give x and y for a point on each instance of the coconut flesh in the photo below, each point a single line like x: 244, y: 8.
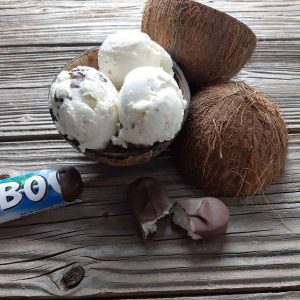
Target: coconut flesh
x: 234, y: 142
x: 181, y: 218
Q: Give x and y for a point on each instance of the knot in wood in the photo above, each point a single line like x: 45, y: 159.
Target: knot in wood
x: 73, y: 277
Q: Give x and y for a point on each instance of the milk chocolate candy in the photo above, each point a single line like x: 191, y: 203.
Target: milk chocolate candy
x: 150, y: 202
x: 38, y: 191
x: 70, y: 183
x: 205, y: 218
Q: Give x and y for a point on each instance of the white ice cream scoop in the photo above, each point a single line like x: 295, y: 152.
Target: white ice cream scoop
x: 150, y: 106
x: 126, y: 50
x: 83, y: 105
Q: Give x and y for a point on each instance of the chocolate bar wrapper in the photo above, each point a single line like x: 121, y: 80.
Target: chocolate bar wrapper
x: 30, y: 193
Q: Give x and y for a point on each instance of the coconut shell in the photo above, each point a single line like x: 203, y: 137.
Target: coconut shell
x: 234, y: 142
x: 210, y: 46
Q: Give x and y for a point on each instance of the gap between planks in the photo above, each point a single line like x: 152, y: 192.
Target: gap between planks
x: 291, y: 295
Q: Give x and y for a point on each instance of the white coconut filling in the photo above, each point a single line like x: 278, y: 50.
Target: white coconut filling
x: 181, y: 218
x: 151, y: 227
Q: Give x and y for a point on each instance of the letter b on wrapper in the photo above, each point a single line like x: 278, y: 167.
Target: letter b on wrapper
x: 9, y: 195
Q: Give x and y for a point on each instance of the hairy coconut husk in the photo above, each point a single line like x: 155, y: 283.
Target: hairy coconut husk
x: 234, y: 142
x: 209, y: 45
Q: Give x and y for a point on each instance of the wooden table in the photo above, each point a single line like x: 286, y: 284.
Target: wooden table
x: 259, y: 257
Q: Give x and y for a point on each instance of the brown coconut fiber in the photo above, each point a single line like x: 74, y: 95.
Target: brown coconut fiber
x: 234, y: 142
x: 209, y: 45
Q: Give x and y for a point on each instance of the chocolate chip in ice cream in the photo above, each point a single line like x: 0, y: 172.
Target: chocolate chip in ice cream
x: 76, y: 76
x: 58, y: 99
x: 75, y: 84
x: 102, y: 78
x: 78, y: 73
x: 149, y: 201
x: 205, y: 218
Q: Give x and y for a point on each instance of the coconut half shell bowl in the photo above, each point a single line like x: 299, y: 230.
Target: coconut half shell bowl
x: 115, y: 155
x: 209, y: 45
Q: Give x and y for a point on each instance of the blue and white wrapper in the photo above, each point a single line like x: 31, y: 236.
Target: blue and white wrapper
x: 29, y: 193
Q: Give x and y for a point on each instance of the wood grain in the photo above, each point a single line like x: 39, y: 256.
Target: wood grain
x: 259, y: 257
x: 83, y: 22
x: 258, y: 253
x: 274, y: 69
x: 35, y: 67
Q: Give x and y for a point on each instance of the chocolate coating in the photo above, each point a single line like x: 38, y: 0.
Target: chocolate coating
x: 208, y: 217
x: 70, y: 183
x: 149, y: 201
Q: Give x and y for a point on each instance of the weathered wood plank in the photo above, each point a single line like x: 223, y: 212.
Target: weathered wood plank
x: 25, y: 80
x: 82, y: 22
x: 257, y: 254
x: 29, y: 115
x: 31, y: 67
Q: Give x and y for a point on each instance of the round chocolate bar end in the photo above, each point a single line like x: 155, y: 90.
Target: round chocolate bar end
x: 70, y: 182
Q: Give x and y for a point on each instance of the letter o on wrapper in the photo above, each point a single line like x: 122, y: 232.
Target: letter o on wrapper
x: 54, y: 181
x: 29, y: 188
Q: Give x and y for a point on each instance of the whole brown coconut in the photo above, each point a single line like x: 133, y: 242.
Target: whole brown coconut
x: 209, y: 45
x: 234, y: 142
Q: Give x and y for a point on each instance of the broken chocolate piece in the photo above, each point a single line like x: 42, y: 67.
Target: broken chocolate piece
x: 205, y: 218
x: 149, y: 201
